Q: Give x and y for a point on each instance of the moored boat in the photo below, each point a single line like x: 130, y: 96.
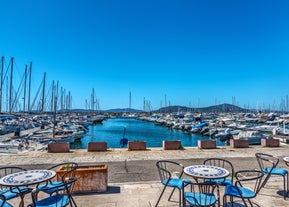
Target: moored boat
x: 254, y: 137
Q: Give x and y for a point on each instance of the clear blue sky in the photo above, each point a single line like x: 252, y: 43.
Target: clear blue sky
x: 193, y: 52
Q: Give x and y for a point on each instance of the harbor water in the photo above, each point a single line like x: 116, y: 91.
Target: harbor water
x: 113, y: 130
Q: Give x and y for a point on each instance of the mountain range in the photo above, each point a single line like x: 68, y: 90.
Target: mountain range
x: 172, y: 109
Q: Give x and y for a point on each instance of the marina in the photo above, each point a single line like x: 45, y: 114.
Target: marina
x: 111, y: 131
x: 28, y: 126
x: 144, y: 103
x: 35, y: 132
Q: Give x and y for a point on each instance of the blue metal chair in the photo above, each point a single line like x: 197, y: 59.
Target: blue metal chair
x: 199, y: 193
x: 58, y: 198
x: 13, y: 192
x: 69, y: 168
x: 3, y: 202
x: 241, y: 189
x: 268, y: 165
x: 219, y: 162
x: 170, y: 173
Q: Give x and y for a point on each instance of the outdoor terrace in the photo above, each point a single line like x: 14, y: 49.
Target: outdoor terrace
x: 133, y: 178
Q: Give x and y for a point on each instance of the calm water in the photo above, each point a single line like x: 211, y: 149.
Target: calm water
x: 112, y: 130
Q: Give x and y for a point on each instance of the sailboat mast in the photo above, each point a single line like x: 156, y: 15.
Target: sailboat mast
x: 52, y: 95
x: 69, y: 101
x: 29, y: 89
x: 7, y: 94
x: 24, y: 95
x: 64, y: 105
x: 11, y: 85
x: 92, y: 100
x: 1, y: 82
x: 43, y: 93
x: 55, y: 108
x: 61, y: 99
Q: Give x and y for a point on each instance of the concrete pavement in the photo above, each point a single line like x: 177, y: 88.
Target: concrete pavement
x: 133, y: 178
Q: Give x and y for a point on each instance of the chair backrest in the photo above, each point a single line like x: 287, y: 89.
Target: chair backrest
x: 67, y: 169
x: 244, y: 178
x: 266, y: 163
x: 199, y: 193
x: 67, y: 187
x: 168, y: 169
x: 9, y: 170
x: 219, y: 162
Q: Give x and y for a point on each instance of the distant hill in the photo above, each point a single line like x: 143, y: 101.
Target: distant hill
x: 118, y: 110
x: 125, y: 110
x: 217, y: 108
x: 173, y: 109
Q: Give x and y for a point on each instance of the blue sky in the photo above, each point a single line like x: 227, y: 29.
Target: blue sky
x: 193, y: 52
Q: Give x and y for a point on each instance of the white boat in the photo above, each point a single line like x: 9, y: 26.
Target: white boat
x: 197, y: 128
x: 18, y: 146
x: 254, y: 137
x: 265, y: 128
x: 76, y: 129
x: 12, y: 144
x: 284, y: 131
x: 46, y: 136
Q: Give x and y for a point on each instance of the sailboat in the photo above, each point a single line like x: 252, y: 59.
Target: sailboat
x: 54, y: 134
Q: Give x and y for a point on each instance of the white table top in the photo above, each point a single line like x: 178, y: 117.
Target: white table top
x: 28, y: 177
x: 206, y: 171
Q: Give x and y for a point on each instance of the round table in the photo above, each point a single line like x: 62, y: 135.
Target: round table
x: 206, y: 171
x: 24, y: 178
x: 28, y: 177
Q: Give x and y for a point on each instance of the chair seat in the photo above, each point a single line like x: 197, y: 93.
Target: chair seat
x: 200, y: 199
x: 6, y: 204
x: 232, y: 190
x: 52, y: 201
x: 174, y: 182
x: 276, y: 171
x: 10, y: 193
x: 51, y: 187
x: 221, y: 181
